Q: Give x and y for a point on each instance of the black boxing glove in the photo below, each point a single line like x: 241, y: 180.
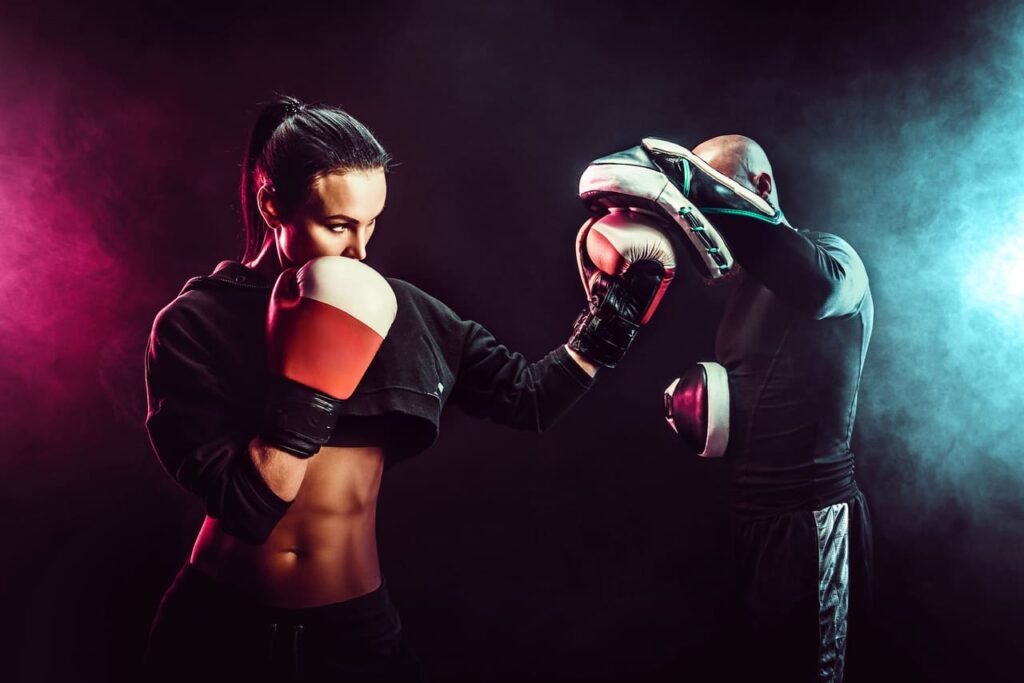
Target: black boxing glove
x: 626, y: 263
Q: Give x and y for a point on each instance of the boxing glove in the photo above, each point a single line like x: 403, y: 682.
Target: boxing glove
x: 626, y: 263
x: 325, y: 323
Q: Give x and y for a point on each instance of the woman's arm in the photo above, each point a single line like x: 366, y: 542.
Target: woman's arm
x: 590, y: 368
x: 282, y: 471
x: 205, y: 440
x: 503, y: 385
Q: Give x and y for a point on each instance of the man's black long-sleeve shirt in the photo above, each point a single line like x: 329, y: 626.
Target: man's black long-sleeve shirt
x: 206, y: 378
x: 793, y: 341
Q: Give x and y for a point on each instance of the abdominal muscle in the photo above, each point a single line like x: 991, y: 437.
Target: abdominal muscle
x: 324, y: 549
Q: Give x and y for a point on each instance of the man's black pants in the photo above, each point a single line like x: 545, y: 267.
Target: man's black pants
x: 802, y: 586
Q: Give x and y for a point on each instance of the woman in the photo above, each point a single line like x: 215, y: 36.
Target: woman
x: 284, y: 580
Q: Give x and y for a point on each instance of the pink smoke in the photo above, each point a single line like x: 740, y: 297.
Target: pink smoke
x: 74, y: 294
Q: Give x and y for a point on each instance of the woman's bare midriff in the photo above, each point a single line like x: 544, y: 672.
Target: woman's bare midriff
x: 324, y: 549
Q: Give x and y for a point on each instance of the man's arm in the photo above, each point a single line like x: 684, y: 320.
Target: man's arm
x: 819, y: 273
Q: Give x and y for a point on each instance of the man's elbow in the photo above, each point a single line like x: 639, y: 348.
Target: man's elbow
x: 836, y: 301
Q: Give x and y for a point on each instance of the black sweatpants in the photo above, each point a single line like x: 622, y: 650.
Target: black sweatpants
x: 801, y: 580
x: 206, y: 631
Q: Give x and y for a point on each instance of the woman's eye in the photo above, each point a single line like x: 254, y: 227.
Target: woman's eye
x: 338, y: 228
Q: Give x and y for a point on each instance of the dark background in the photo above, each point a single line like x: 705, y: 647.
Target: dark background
x: 594, y: 552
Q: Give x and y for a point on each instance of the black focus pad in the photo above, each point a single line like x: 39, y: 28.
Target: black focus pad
x: 634, y: 156
x: 296, y: 418
x: 708, y: 189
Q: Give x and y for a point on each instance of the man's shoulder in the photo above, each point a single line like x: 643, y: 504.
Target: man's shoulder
x: 831, y: 242
x: 821, y: 236
x: 829, y: 239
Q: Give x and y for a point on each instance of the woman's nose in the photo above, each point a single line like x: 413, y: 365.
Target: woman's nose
x: 356, y: 248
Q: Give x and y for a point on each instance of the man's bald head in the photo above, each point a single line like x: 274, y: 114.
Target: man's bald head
x: 743, y: 160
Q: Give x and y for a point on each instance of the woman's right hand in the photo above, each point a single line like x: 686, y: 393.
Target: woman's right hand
x: 325, y: 323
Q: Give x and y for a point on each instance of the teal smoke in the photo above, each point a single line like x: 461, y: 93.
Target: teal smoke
x: 928, y: 174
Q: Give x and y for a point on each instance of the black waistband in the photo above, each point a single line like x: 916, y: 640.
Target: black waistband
x: 769, y: 497
x: 213, y: 592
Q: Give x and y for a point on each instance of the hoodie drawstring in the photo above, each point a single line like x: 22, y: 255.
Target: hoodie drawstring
x: 294, y: 663
x: 296, y: 632
x: 270, y: 645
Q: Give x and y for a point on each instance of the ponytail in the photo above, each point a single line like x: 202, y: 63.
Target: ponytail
x: 290, y: 146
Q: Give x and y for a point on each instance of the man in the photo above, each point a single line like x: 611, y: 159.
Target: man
x: 780, y: 402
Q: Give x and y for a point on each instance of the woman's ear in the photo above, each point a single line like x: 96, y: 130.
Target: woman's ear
x: 268, y: 207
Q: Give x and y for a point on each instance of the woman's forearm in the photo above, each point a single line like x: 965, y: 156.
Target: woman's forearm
x: 282, y: 471
x: 583, y: 362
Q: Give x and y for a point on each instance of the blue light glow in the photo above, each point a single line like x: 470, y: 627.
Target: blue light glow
x: 995, y: 280
x: 926, y: 167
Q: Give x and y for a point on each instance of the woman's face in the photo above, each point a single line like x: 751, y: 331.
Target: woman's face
x: 337, y: 219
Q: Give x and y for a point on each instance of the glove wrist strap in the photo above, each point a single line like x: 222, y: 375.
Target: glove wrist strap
x: 296, y: 418
x: 601, y: 334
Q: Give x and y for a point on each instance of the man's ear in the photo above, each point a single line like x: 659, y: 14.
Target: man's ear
x: 763, y: 185
x: 268, y: 207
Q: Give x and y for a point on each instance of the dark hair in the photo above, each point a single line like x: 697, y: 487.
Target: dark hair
x: 293, y: 144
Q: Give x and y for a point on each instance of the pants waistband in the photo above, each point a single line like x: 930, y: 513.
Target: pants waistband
x: 212, y: 591
x: 752, y: 505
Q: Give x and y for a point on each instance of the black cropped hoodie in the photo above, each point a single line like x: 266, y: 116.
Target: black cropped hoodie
x: 206, y: 377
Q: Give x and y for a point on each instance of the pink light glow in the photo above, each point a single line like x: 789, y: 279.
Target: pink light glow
x: 73, y: 304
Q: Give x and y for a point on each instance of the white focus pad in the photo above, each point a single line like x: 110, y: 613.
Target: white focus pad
x: 697, y: 408
x: 718, y: 410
